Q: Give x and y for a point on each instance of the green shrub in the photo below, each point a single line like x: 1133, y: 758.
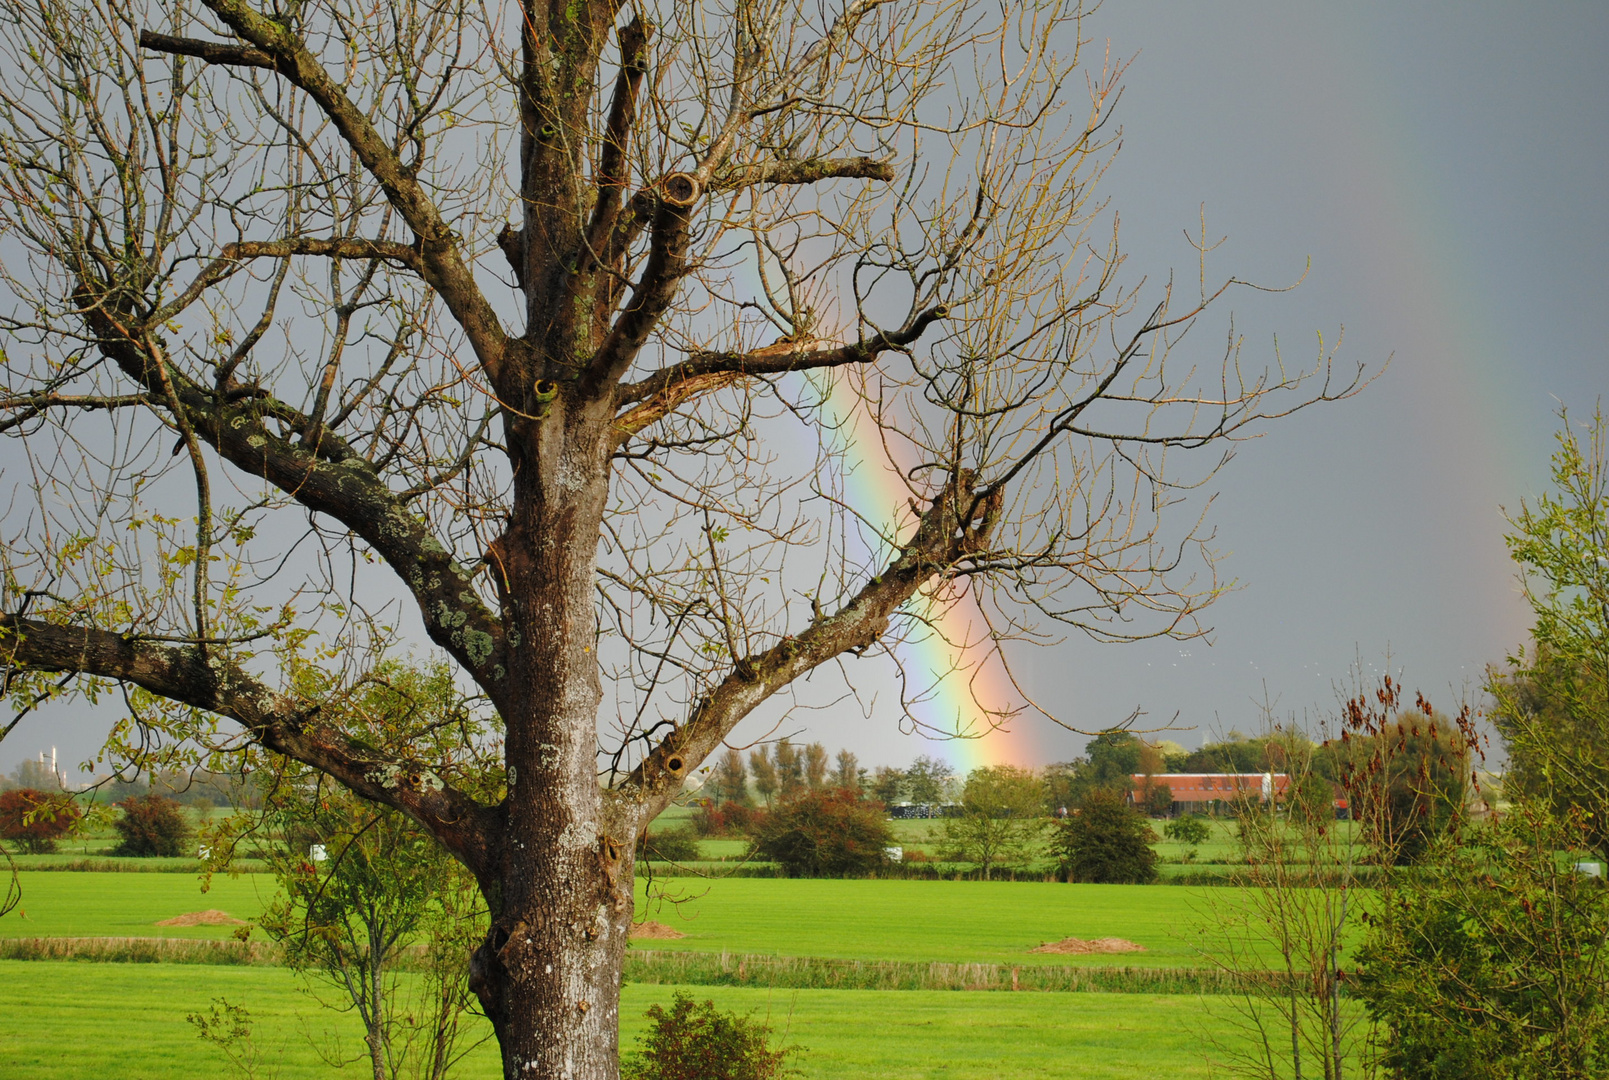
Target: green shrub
x: 151, y: 825
x: 1190, y: 830
x: 827, y: 833
x: 36, y: 820
x: 1488, y: 963
x: 672, y: 845
x: 1159, y: 800
x: 1106, y: 842
x: 700, y: 1042
x: 1001, y: 819
x: 1406, y: 777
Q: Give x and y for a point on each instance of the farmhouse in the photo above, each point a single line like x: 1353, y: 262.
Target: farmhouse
x: 1209, y: 793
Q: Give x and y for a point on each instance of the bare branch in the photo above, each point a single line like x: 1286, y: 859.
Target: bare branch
x: 655, y: 289
x: 31, y: 406
x: 442, y: 264
x: 803, y: 172
x: 282, y: 724
x: 213, y: 52
x: 949, y: 531
x: 666, y: 390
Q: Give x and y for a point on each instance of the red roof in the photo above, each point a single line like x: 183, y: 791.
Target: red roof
x: 1210, y: 787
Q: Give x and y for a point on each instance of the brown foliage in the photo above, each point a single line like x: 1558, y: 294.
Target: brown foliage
x: 151, y: 825
x: 36, y: 819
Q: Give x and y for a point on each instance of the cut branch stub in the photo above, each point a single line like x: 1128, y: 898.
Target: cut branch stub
x: 542, y: 395
x: 679, y: 189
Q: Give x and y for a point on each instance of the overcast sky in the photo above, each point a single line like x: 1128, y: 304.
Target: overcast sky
x: 1443, y: 168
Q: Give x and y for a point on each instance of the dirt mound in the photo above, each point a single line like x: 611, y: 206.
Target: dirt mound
x: 1079, y: 946
x: 210, y: 917
x: 652, y: 929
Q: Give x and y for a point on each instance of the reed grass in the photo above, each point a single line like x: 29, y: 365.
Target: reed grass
x: 128, y: 865
x: 661, y: 966
x: 664, y: 967
x: 144, y: 950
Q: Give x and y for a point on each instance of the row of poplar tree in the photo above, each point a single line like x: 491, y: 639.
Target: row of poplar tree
x: 785, y: 770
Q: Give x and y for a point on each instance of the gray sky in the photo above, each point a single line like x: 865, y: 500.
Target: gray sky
x: 1443, y: 167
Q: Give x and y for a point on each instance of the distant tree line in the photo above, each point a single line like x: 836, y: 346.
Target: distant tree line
x: 784, y: 771
x: 818, y: 814
x: 195, y: 787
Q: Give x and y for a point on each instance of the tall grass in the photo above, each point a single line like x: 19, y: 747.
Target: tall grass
x: 816, y: 973
x: 143, y: 950
x: 129, y: 865
x: 910, y: 871
x: 658, y: 966
x: 1195, y: 874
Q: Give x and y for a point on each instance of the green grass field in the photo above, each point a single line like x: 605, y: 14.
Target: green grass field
x: 136, y: 1012
x: 68, y: 1021
x: 57, y: 904
x: 951, y: 921
x: 958, y: 921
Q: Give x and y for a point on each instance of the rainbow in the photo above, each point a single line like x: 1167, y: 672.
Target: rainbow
x: 1473, y: 417
x: 964, y: 699
x: 1475, y: 414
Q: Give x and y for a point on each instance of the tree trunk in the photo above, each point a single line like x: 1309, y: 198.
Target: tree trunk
x: 548, y: 974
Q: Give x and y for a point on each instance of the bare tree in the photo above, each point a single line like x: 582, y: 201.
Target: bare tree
x: 1281, y: 934
x: 277, y: 357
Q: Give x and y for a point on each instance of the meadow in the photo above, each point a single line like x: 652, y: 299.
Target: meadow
x: 948, y: 921
x: 136, y: 1014
x: 922, y: 840
x: 955, y: 921
x: 137, y: 1010
x: 58, y: 904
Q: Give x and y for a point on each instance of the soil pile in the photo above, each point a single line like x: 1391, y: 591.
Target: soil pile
x: 1079, y: 946
x: 652, y: 929
x: 210, y: 917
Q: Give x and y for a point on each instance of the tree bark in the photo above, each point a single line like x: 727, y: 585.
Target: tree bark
x: 548, y: 974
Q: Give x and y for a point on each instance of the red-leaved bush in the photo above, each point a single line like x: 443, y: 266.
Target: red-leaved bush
x: 151, y: 825
x: 35, y: 819
x: 723, y: 820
